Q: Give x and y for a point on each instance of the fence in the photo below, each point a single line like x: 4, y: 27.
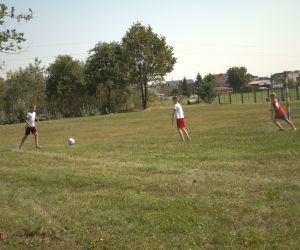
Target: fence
x: 256, y: 96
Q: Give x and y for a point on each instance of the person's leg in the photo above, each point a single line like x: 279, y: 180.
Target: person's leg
x: 181, y: 134
x: 22, y: 141
x: 186, y: 133
x: 36, y: 139
x: 291, y: 124
x: 278, y: 124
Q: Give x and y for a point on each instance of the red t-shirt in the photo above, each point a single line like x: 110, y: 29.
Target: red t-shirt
x: 279, y: 110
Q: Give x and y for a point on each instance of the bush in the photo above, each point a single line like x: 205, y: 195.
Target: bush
x: 89, y: 110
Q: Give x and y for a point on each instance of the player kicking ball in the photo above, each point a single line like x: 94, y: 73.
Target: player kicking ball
x: 280, y: 113
x: 30, y: 127
x: 180, y: 119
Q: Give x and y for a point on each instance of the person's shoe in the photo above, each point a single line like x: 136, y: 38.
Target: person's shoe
x: 294, y: 129
x: 281, y: 129
x: 38, y: 147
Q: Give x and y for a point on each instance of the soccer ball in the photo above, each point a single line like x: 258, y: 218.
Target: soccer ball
x: 71, y: 141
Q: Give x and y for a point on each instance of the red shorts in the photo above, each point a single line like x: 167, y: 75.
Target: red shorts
x: 180, y: 123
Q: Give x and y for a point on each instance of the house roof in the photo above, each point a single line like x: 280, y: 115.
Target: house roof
x: 222, y: 79
x: 261, y: 82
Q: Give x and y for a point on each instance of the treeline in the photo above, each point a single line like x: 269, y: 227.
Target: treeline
x: 115, y: 77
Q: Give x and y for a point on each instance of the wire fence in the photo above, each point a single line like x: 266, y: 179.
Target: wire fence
x: 262, y: 96
x: 256, y: 96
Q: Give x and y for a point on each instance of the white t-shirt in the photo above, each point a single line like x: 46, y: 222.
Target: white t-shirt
x: 178, y: 111
x: 30, y: 118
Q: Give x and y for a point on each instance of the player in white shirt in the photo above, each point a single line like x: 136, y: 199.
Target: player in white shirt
x: 178, y: 111
x: 30, y: 127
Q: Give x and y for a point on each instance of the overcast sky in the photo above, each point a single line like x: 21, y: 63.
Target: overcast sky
x: 208, y: 36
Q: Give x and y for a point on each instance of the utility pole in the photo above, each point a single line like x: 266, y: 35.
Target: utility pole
x: 287, y: 93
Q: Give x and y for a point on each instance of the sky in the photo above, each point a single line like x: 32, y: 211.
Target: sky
x: 207, y: 36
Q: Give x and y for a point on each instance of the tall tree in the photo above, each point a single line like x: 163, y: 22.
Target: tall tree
x: 10, y: 38
x: 238, y: 77
x: 198, y: 83
x: 65, y: 85
x: 2, y: 93
x: 147, y: 57
x: 185, y: 88
x: 104, y: 71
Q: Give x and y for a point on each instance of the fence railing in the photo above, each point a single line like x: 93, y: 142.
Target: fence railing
x: 256, y: 96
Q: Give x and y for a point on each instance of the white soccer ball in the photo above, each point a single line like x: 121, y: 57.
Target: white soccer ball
x: 71, y: 141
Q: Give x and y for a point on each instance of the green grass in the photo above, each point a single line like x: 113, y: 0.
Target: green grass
x: 130, y: 183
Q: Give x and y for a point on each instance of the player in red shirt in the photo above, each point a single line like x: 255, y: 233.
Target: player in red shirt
x: 280, y: 113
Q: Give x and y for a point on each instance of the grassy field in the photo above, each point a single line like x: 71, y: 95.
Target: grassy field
x: 130, y: 183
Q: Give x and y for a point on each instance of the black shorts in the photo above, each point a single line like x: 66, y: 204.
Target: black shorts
x: 30, y: 129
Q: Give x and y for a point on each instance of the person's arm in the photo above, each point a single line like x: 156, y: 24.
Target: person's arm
x: 27, y: 122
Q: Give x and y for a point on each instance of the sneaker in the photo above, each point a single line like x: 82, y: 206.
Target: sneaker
x: 281, y: 129
x: 294, y: 129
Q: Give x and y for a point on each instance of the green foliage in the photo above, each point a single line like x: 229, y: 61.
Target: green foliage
x: 147, y: 57
x: 10, y: 38
x: 2, y: 92
x: 175, y: 92
x: 105, y: 75
x: 207, y: 88
x: 185, y: 90
x: 278, y: 78
x: 23, y: 88
x: 65, y: 85
x: 292, y: 83
x: 238, y: 77
x: 198, y: 82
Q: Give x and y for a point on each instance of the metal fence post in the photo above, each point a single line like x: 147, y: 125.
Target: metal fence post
x: 242, y: 97
x: 219, y: 98
x: 229, y: 98
x: 254, y: 94
x: 282, y: 95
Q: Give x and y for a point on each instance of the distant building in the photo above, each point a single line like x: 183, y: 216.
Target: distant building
x: 261, y: 83
x: 278, y: 79
x: 222, y: 85
x: 167, y: 88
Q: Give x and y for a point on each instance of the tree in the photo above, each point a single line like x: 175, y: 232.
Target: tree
x: 104, y: 72
x: 10, y: 39
x: 238, y: 77
x: 65, y: 85
x: 2, y: 92
x: 207, y: 88
x: 147, y: 57
x: 292, y: 83
x: 23, y: 88
x: 198, y: 83
x: 185, y: 88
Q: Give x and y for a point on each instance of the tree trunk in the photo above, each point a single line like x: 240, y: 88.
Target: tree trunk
x: 145, y: 101
x: 109, y: 99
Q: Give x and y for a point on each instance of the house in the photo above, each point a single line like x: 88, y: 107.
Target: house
x: 278, y: 79
x: 261, y: 83
x: 222, y: 85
